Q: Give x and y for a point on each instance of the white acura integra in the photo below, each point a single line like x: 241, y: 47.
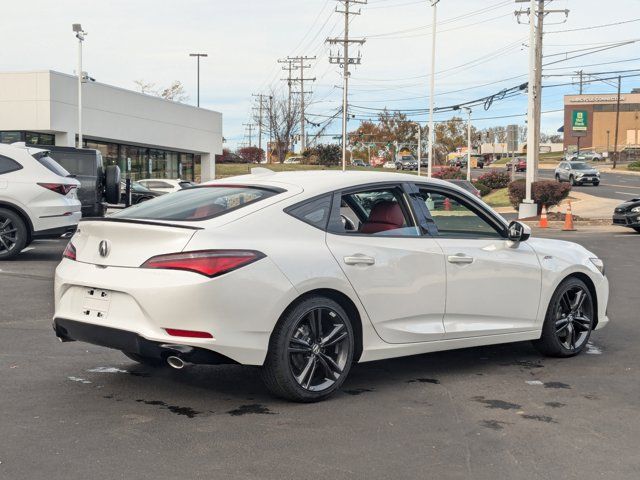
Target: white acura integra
x: 304, y: 273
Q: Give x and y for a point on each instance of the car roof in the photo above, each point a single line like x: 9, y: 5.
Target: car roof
x: 315, y: 182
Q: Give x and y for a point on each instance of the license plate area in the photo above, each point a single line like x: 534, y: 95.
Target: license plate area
x: 96, y: 303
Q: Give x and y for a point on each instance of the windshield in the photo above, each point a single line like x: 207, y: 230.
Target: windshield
x: 50, y: 164
x: 197, y: 203
x: 580, y: 166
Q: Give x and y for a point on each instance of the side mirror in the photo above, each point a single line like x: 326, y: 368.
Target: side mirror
x: 518, y: 232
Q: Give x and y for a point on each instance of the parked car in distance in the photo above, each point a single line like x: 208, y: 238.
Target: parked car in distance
x: 627, y: 214
x: 165, y: 185
x: 293, y: 160
x: 38, y: 199
x: 99, y: 185
x: 407, y: 162
x: 587, y: 156
x: 577, y: 173
x: 334, y: 268
x: 390, y: 165
x: 139, y: 193
x: 520, y: 164
x: 359, y: 163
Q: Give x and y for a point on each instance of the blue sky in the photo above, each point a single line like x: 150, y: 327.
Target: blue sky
x: 480, y: 42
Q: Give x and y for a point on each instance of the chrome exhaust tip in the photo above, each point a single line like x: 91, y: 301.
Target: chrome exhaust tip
x: 176, y: 362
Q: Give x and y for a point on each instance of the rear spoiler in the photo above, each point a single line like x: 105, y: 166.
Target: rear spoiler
x: 140, y: 222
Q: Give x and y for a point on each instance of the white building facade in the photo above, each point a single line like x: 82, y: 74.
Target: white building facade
x: 159, y: 138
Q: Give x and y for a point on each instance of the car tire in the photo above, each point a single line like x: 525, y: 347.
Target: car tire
x: 569, y: 320
x: 112, y: 184
x: 147, y: 361
x: 13, y: 234
x: 637, y: 229
x: 558, y: 178
x: 304, y: 362
x: 572, y: 180
x: 595, y: 184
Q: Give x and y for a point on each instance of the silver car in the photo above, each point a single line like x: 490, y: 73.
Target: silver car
x: 577, y: 173
x: 587, y: 156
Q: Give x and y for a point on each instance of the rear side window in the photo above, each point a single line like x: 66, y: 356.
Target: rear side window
x: 8, y: 165
x: 314, y: 212
x: 198, y: 203
x: 80, y: 163
x: 50, y: 164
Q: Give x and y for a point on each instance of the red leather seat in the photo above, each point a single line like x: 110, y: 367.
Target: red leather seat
x: 384, y: 216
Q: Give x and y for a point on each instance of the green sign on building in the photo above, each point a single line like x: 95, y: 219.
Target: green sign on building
x: 579, y: 120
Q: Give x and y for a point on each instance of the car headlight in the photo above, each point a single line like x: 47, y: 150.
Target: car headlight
x: 636, y: 210
x: 599, y: 264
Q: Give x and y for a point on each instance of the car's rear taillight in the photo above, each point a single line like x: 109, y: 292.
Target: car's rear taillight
x: 69, y: 252
x: 61, y: 188
x: 210, y: 263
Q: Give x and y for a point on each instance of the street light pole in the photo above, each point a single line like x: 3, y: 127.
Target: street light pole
x: 198, y: 55
x: 80, y: 34
x: 432, y: 83
x: 468, y: 143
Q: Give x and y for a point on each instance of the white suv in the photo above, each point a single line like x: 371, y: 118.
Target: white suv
x: 38, y: 199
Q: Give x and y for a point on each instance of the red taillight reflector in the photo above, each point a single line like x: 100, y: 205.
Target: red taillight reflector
x: 61, y: 188
x: 210, y: 263
x: 187, y: 333
x: 69, y: 251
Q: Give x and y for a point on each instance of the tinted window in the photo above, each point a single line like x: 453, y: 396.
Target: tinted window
x: 454, y: 217
x: 315, y: 212
x: 84, y: 164
x: 50, y: 164
x: 156, y: 184
x: 198, y: 203
x: 380, y: 212
x: 186, y: 185
x: 580, y: 166
x: 7, y: 165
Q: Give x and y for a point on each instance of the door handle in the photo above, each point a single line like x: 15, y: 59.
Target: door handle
x: 359, y: 259
x: 459, y: 258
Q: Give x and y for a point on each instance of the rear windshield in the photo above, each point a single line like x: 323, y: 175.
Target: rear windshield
x: 197, y: 203
x: 80, y: 163
x: 46, y: 161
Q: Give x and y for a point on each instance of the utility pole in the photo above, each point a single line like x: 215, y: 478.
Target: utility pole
x: 468, y: 143
x: 615, y: 139
x: 198, y: 55
x: 80, y: 34
x: 270, y: 146
x: 419, y: 149
x: 432, y: 83
x: 249, y: 126
x: 536, y: 11
x: 261, y: 99
x: 345, y: 60
x: 297, y: 63
x: 289, y: 79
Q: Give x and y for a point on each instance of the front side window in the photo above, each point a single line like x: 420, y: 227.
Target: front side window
x: 453, y: 217
x: 375, y: 211
x: 198, y: 203
x: 8, y: 165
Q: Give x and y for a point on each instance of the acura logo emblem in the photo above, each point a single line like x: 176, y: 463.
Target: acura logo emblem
x: 104, y: 247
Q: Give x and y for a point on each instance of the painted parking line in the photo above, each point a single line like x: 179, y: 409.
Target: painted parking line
x: 627, y: 193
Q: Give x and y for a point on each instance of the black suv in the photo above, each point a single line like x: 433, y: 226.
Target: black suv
x: 98, y: 185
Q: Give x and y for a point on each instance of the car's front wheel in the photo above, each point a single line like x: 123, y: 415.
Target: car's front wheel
x: 310, y: 351
x: 569, y: 321
x: 572, y: 180
x: 557, y: 178
x: 637, y: 229
x: 13, y: 234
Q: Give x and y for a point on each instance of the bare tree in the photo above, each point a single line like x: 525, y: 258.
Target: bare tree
x: 146, y: 87
x: 283, y: 120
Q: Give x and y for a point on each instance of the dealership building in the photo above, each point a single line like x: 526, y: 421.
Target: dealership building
x: 158, y: 137
x: 590, y: 121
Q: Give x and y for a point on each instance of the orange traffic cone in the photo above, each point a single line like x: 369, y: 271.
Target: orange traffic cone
x: 544, y: 223
x: 568, y: 221
x: 447, y: 204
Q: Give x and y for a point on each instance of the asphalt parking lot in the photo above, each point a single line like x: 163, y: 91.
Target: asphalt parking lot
x: 76, y: 411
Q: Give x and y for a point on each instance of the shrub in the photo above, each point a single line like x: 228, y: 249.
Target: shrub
x: 634, y: 166
x: 544, y: 192
x: 449, y: 173
x: 495, y: 179
x: 484, y: 190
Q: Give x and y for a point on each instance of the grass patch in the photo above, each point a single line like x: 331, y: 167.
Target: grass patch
x: 498, y: 198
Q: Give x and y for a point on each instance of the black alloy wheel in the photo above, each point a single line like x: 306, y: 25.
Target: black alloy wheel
x: 569, y: 321
x: 13, y: 234
x: 310, y: 352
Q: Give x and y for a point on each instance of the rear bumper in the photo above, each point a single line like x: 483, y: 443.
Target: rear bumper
x: 70, y: 330
x: 56, y: 232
